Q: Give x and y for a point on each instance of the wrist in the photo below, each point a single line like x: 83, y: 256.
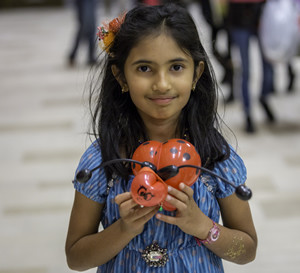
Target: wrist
x: 213, y: 235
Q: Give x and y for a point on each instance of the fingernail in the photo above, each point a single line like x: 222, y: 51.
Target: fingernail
x: 168, y: 197
x: 181, y: 186
x: 169, y: 188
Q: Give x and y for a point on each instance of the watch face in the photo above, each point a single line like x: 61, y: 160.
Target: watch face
x: 215, y: 235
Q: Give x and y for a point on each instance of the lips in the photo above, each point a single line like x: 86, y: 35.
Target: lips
x: 162, y: 100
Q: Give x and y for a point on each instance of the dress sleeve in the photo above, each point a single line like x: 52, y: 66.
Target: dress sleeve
x: 95, y: 188
x: 234, y: 170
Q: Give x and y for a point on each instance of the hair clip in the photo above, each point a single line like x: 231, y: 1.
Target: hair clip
x: 107, y: 32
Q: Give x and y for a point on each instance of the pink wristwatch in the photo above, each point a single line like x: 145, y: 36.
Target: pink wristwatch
x: 213, y: 235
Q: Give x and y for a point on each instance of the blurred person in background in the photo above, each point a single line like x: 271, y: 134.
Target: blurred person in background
x: 215, y: 14
x: 86, y: 30
x: 291, y: 77
x: 290, y: 67
x: 244, y: 17
x: 279, y: 33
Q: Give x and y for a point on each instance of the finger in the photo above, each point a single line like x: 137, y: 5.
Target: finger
x: 168, y: 219
x: 120, y: 198
x: 177, y: 203
x: 182, y: 198
x: 147, y: 214
x: 186, y: 189
x: 141, y: 212
x: 142, y: 215
x: 126, y: 197
x: 128, y: 206
x: 178, y: 194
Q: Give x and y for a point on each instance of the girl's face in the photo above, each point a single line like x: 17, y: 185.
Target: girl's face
x: 159, y: 77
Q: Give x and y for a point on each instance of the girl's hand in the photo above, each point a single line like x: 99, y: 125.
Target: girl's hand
x: 189, y: 218
x: 133, y: 216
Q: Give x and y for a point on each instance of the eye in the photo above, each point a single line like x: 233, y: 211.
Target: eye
x: 144, y: 68
x: 177, y: 67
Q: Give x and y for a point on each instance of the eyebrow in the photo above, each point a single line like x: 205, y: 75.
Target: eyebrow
x: 150, y: 62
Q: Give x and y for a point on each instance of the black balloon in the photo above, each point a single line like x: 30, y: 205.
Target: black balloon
x: 243, y: 192
x: 84, y: 175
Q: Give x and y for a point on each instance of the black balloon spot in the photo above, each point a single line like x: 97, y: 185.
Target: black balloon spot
x: 173, y: 150
x: 146, y: 143
x: 186, y: 156
x: 180, y: 141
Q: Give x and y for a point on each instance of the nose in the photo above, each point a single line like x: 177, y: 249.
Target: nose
x: 161, y: 83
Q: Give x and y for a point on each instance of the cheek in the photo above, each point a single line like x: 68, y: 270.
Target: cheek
x: 136, y: 97
x: 185, y: 100
x: 138, y: 90
x: 184, y: 83
x: 185, y: 90
x: 137, y: 85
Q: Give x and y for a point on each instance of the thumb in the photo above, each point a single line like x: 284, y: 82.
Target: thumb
x: 119, y: 199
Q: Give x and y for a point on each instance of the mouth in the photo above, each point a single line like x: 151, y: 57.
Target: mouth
x: 162, y: 100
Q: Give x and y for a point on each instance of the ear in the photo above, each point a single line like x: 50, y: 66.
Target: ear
x: 199, y: 71
x: 118, y: 75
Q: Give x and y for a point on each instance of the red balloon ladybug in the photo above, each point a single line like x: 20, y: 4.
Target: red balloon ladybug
x: 149, y: 187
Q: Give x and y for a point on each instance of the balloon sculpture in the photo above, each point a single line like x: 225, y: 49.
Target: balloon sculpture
x: 279, y: 30
x: 157, y: 165
x: 149, y: 187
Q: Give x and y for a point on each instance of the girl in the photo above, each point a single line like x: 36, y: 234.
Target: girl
x: 157, y: 84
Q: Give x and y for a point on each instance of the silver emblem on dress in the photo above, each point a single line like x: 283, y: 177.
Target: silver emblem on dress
x: 155, y: 256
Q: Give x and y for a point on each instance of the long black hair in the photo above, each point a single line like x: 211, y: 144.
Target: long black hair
x: 115, y: 121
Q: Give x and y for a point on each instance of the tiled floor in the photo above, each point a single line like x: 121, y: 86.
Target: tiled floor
x: 42, y: 134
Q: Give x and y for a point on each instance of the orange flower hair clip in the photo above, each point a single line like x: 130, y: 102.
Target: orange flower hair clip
x: 108, y: 31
